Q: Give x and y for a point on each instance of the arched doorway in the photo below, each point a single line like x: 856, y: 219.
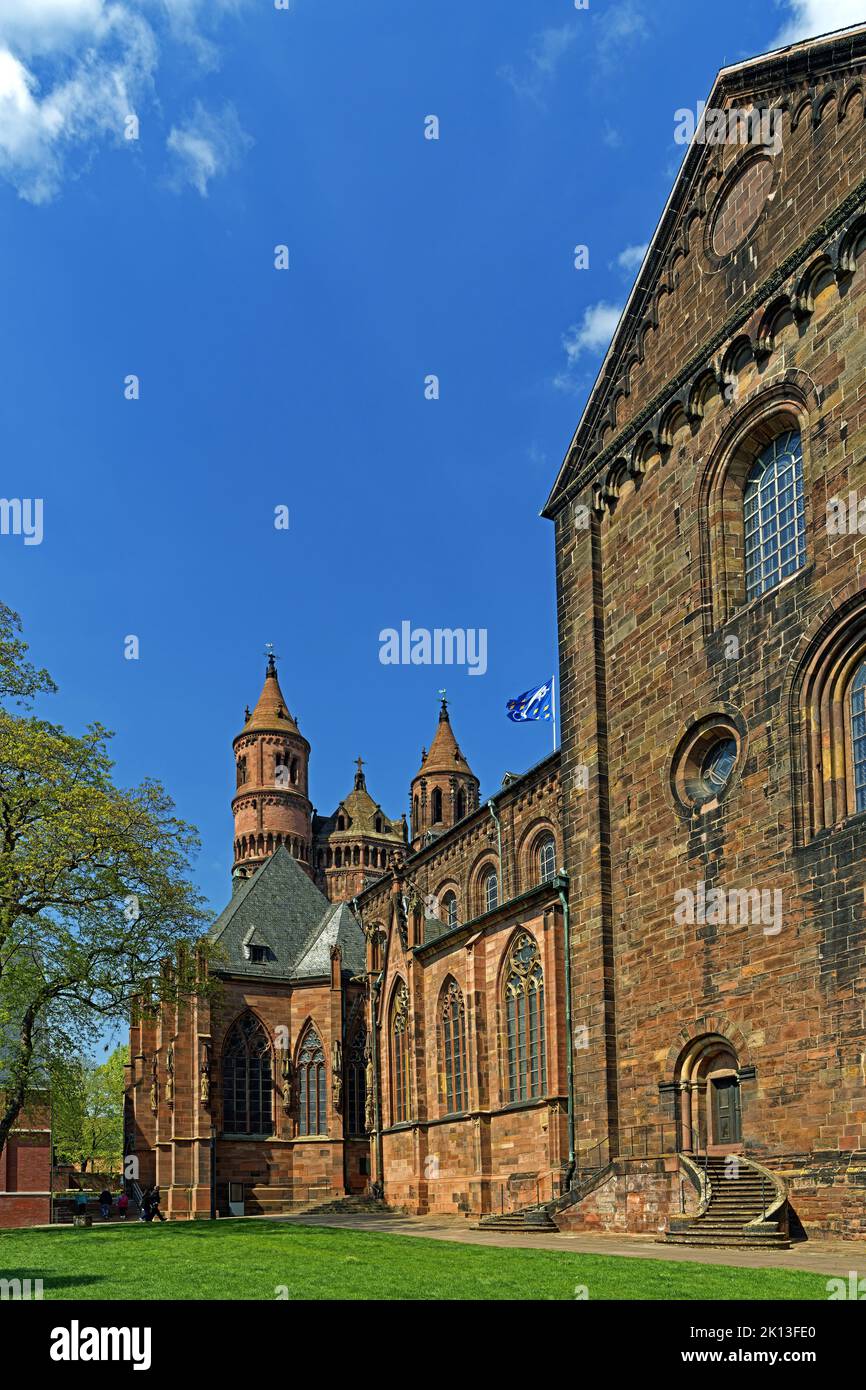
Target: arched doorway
x: 708, y: 1081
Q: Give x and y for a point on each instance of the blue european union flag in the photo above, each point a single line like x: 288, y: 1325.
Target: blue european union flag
x: 532, y: 704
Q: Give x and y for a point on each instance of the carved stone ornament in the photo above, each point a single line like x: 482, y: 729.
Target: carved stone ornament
x: 337, y: 1074
x: 287, y: 1078
x: 204, y: 1076
x: 169, y: 1077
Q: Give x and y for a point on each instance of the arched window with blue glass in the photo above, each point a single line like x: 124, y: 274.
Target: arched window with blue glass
x: 774, y: 523
x: 858, y: 735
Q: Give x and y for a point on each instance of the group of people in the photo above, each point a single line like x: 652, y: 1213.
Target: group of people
x: 150, y: 1205
x: 148, y: 1208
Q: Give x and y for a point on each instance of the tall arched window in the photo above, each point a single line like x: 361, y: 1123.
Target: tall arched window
x: 400, y: 1054
x: 453, y: 1023
x: 449, y: 909
x: 490, y: 890
x: 247, y: 1079
x: 356, y: 1079
x: 546, y: 853
x: 774, y: 523
x: 312, y: 1110
x: 460, y: 804
x: 858, y: 735
x: 436, y: 806
x: 242, y: 771
x: 524, y: 1020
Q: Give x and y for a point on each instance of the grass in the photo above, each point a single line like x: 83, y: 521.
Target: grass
x: 251, y: 1260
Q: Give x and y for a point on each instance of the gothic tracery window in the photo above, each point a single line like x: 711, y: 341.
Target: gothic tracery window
x: 400, y: 1054
x: 247, y: 1078
x: 526, y: 1063
x: 312, y: 1110
x: 774, y: 522
x: 452, y: 1018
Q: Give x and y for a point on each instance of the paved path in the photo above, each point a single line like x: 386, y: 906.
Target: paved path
x: 828, y: 1257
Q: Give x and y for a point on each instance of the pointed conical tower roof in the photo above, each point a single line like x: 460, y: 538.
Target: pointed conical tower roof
x: 445, y: 754
x: 271, y: 711
x: 271, y: 806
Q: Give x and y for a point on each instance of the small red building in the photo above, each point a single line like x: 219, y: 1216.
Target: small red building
x: 25, y: 1167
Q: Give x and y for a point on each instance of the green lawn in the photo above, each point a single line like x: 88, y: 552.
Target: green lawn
x: 250, y: 1260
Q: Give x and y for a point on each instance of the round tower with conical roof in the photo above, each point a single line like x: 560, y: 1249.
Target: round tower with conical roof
x: 445, y: 789
x: 271, y: 805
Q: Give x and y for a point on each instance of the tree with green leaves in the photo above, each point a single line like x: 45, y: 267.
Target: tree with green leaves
x: 94, y: 894
x: 87, y: 1111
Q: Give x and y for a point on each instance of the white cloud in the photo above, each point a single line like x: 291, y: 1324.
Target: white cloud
x: 546, y: 52
x: 72, y: 71
x: 632, y: 257
x: 185, y: 18
x: 594, y: 331
x: 808, y: 18
x: 39, y: 26
x: 620, y: 26
x: 100, y: 86
x: 206, y: 146
x: 591, y: 335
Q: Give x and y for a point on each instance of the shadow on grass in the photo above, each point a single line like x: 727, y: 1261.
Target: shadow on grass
x: 50, y: 1279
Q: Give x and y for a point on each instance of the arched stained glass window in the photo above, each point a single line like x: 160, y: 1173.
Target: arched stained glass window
x: 436, y: 806
x: 400, y: 1054
x: 490, y: 890
x: 774, y: 522
x: 453, y: 1022
x: 546, y: 859
x: 524, y: 1017
x: 247, y: 1079
x: 312, y: 1107
x: 858, y: 735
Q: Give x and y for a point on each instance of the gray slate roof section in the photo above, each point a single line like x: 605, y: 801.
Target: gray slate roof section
x: 339, y: 928
x: 281, y: 907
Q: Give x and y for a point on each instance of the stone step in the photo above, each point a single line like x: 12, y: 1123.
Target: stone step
x: 728, y: 1242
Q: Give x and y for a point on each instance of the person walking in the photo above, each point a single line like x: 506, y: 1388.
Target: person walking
x: 105, y: 1204
x: 145, y: 1211
x: 122, y: 1205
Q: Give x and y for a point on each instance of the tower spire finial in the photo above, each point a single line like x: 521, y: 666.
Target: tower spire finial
x: 359, y: 775
x: 443, y: 709
x: 272, y: 659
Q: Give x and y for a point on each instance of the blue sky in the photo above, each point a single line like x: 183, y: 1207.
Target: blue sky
x: 305, y: 388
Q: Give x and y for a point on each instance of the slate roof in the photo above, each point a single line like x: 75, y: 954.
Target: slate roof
x: 281, y: 908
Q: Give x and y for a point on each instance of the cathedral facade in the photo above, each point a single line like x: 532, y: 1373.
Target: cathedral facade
x: 636, y: 970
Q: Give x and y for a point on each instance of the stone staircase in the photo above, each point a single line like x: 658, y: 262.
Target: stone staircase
x: 535, y: 1218
x: 264, y: 1200
x: 743, y: 1207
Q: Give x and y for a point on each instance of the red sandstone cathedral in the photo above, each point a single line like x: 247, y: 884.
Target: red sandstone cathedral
x: 626, y: 990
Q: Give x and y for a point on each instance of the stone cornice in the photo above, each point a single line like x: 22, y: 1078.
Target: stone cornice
x: 699, y: 360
